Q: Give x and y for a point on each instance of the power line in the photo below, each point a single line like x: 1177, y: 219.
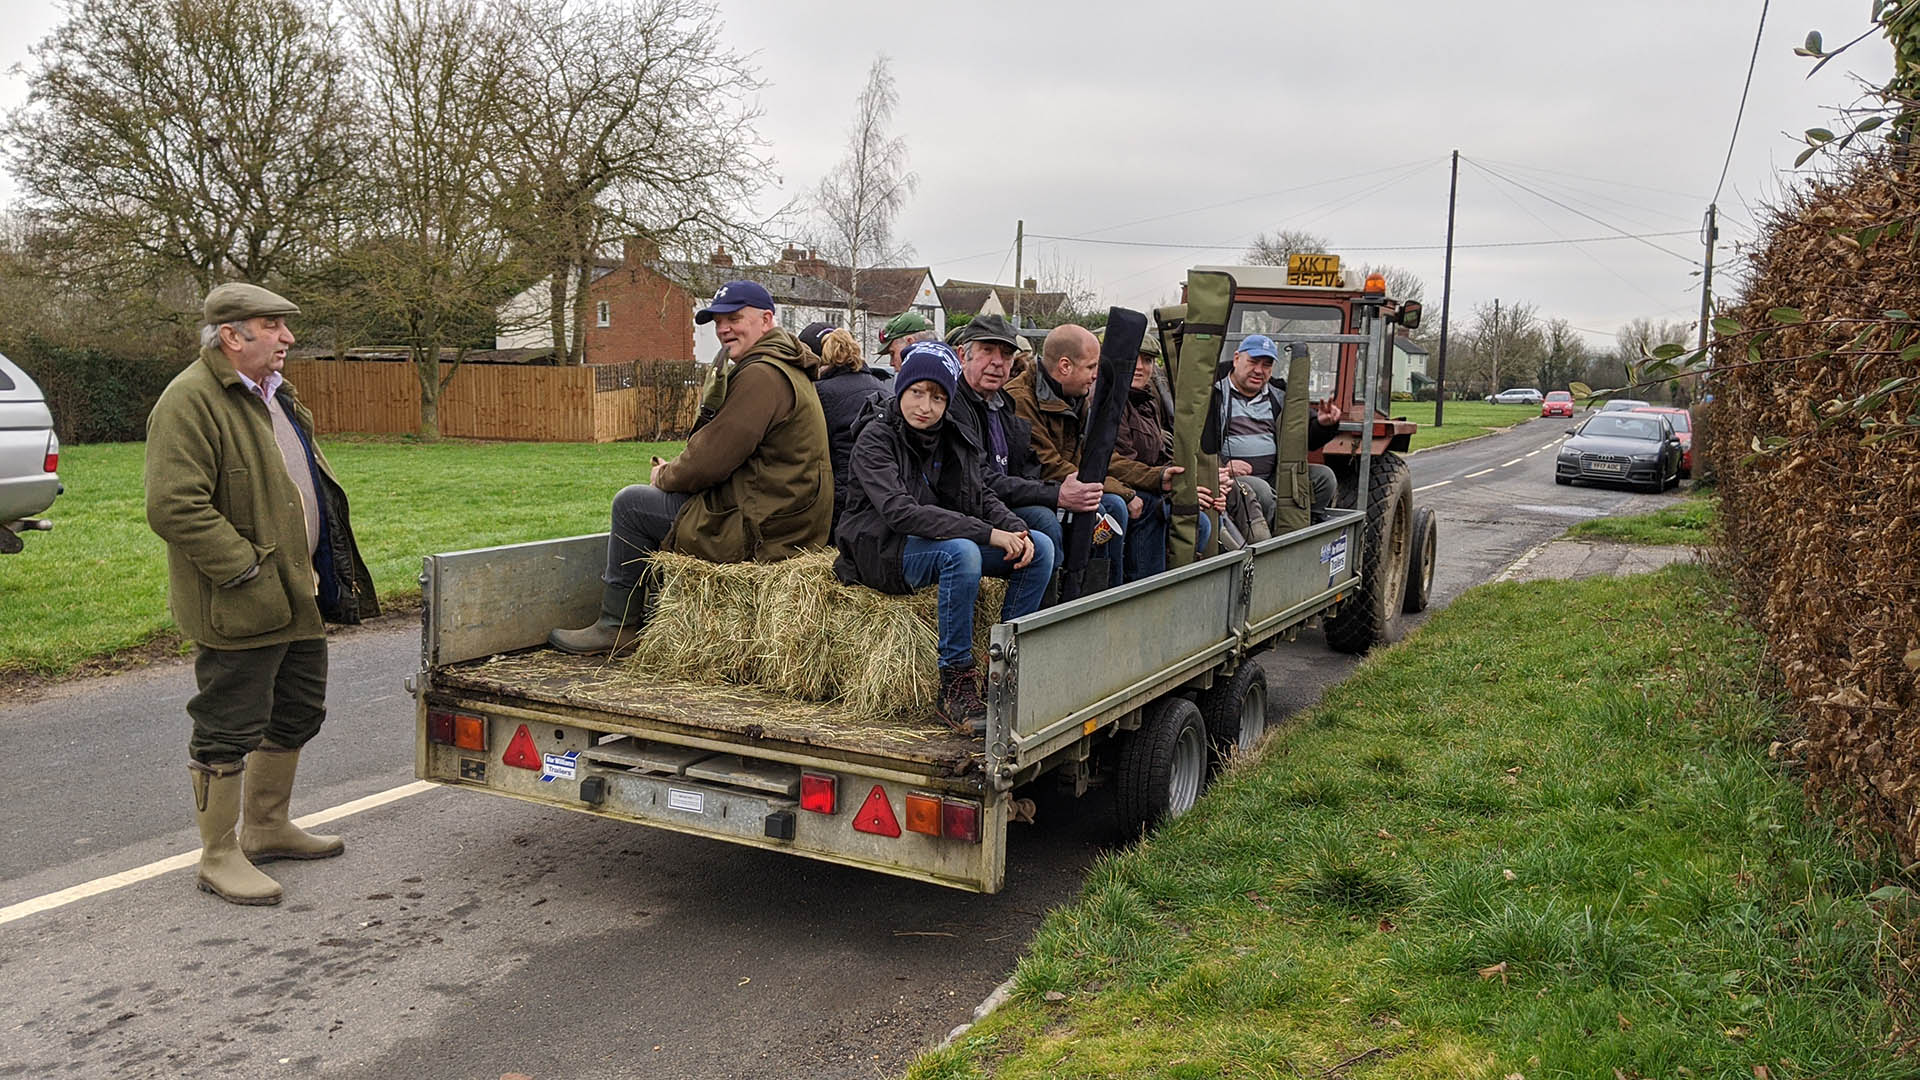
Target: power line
x: 1755, y: 59
x: 1252, y: 198
x: 1580, y: 213
x: 1523, y: 208
x: 1589, y: 179
x: 1377, y: 247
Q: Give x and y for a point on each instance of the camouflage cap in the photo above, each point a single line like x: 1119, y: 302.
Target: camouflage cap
x: 237, y: 301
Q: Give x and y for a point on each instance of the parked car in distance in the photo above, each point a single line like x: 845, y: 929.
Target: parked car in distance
x: 1557, y: 403
x: 1616, y: 404
x: 1683, y: 426
x: 29, y: 456
x: 1519, y: 395
x: 1618, y: 447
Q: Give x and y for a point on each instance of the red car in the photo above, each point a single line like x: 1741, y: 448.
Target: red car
x: 1558, y: 403
x: 1683, y: 424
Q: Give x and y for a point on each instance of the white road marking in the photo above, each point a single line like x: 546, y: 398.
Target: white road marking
x: 1515, y: 461
x: 190, y: 858
x: 1530, y: 453
x: 1442, y: 483
x: 1471, y: 475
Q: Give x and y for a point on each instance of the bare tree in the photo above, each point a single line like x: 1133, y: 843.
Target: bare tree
x: 651, y: 141
x: 1079, y: 296
x: 187, y: 141
x: 858, y: 201
x: 1565, y: 358
x: 1501, y: 337
x: 431, y: 248
x: 1636, y: 340
x: 1273, y: 250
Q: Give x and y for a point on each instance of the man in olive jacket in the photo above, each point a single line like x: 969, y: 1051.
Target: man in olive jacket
x: 260, y: 556
x: 755, y: 482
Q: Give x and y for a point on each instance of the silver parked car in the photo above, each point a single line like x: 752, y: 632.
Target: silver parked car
x: 1519, y: 395
x: 29, y: 456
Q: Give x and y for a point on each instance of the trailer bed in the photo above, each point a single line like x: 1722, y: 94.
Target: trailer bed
x: 593, y: 684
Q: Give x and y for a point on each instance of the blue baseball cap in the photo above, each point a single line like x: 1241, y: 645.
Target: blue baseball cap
x: 1258, y: 345
x: 733, y: 296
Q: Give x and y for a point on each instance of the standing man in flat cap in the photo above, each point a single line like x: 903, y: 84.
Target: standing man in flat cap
x: 259, y: 557
x: 755, y: 483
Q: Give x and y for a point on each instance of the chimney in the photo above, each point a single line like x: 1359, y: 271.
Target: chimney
x: 720, y: 257
x: 811, y: 265
x: 1030, y: 285
x: 637, y: 251
x: 791, y: 254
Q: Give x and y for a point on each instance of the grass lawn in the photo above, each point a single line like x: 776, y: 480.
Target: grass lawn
x: 1685, y: 522
x: 97, y: 583
x: 1542, y: 838
x: 1465, y: 419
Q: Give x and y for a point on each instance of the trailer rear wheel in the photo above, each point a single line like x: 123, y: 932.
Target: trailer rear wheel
x: 1371, y: 616
x: 1235, y: 711
x: 1163, y: 766
x: 1420, y: 556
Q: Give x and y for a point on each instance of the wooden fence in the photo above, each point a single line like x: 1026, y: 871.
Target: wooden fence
x: 519, y: 402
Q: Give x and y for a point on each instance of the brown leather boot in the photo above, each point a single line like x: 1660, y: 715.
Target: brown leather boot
x: 961, y: 705
x: 267, y: 832
x: 224, y: 870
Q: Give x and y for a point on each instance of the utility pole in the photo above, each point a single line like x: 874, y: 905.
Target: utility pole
x: 1446, y: 299
x: 1494, y: 388
x: 1710, y: 233
x: 1019, y: 242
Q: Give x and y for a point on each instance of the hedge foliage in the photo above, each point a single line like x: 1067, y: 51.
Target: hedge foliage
x: 97, y: 395
x: 1815, y: 432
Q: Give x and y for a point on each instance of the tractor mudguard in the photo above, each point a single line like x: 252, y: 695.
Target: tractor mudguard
x: 1202, y: 334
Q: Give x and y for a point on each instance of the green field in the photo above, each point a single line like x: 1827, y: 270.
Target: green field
x: 1465, y: 419
x: 1544, y: 837
x: 97, y: 583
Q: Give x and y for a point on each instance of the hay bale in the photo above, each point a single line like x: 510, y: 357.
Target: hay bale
x: 793, y: 629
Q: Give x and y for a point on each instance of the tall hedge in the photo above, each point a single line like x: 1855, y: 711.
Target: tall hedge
x: 1820, y: 481
x: 97, y: 395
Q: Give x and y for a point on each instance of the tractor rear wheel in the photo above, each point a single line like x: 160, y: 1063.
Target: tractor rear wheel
x: 1371, y: 616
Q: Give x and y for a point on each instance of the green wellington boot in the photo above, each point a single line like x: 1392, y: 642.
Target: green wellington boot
x: 266, y: 832
x: 224, y: 871
x: 622, y: 613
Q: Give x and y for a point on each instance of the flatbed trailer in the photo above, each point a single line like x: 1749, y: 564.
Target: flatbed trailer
x: 1124, y: 679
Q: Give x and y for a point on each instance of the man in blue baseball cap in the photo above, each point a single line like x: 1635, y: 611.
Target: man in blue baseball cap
x: 755, y: 482
x: 1253, y: 400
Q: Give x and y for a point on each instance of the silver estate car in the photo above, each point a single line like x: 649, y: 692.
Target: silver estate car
x: 29, y: 456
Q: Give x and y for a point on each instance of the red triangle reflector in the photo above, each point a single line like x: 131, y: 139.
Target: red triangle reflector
x: 521, y: 753
x: 876, y: 814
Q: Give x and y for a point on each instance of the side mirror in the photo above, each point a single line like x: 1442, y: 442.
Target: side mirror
x: 1409, y: 316
x: 1569, y: 431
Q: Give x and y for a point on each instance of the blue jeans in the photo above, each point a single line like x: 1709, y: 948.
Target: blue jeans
x: 1147, y: 536
x: 958, y: 566
x: 1043, y: 520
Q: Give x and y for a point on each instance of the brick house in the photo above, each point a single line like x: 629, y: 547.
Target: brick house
x: 636, y: 313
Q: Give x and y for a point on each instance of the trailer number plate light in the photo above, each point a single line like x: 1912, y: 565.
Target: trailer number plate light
x: 876, y: 814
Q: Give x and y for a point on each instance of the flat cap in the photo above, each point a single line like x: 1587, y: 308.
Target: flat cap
x: 237, y: 301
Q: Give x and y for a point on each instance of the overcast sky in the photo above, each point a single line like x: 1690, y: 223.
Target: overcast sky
x: 1204, y: 123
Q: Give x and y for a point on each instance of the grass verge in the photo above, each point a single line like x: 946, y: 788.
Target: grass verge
x: 1543, y: 837
x: 96, y: 586
x: 1465, y: 419
x: 1685, y: 522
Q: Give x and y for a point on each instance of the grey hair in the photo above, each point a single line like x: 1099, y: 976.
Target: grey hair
x: 210, y: 334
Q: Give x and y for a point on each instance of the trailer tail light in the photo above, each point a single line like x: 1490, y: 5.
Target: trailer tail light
x: 469, y: 732
x: 876, y: 814
x: 960, y: 820
x: 521, y: 753
x: 818, y: 792
x: 923, y: 813
x: 440, y: 727
x: 53, y: 452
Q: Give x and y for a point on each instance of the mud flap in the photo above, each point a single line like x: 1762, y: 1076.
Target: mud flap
x: 1202, y: 335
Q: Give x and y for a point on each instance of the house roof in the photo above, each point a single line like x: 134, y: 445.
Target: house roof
x: 970, y: 296
x: 701, y: 279
x: 884, y: 290
x: 1408, y: 345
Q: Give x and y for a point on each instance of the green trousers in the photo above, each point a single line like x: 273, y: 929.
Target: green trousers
x: 277, y: 694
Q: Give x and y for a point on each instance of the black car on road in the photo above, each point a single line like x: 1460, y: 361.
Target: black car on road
x: 1641, y: 449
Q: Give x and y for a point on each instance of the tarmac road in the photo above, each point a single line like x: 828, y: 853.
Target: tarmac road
x: 467, y: 937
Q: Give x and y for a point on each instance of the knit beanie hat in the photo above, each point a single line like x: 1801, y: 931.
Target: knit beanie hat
x: 930, y: 361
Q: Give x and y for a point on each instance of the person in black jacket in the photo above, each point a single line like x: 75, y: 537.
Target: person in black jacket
x: 920, y: 512
x: 987, y: 346
x: 846, y: 385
